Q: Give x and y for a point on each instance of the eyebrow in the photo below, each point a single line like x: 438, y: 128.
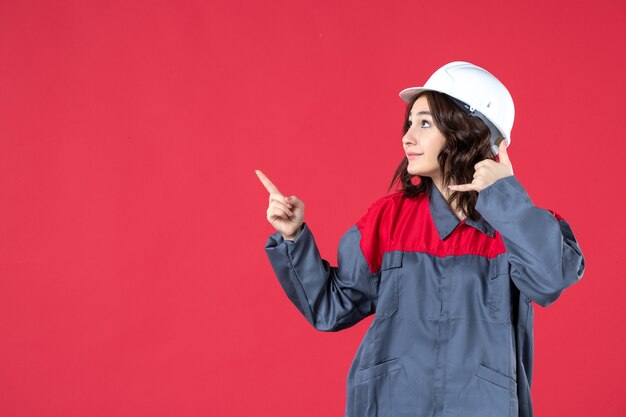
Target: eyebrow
x: 421, y: 112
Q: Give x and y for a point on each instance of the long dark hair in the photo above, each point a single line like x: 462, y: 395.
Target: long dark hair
x: 467, y: 143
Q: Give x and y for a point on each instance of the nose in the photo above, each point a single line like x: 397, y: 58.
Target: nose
x: 409, y: 138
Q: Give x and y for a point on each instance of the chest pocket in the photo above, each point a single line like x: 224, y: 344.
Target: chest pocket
x: 388, y: 289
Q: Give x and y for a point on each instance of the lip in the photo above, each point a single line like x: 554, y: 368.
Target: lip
x: 413, y: 155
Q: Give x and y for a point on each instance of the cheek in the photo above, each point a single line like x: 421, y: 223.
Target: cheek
x: 432, y: 145
x: 437, y: 144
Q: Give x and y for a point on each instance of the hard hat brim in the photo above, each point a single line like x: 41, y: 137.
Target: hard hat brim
x: 409, y: 93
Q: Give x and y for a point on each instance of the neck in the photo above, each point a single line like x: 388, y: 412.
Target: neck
x: 445, y: 192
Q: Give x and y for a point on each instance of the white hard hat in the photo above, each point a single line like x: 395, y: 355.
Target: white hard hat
x: 479, y: 92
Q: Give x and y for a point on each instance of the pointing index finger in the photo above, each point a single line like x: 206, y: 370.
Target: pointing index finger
x: 463, y: 187
x: 269, y: 186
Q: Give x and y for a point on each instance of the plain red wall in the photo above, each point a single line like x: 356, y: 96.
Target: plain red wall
x: 133, y: 279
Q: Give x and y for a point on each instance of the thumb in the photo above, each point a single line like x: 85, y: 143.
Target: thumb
x: 503, y: 156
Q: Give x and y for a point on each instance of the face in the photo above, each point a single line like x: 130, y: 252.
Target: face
x: 424, y: 139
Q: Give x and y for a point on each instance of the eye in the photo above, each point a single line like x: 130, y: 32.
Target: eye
x: 424, y: 123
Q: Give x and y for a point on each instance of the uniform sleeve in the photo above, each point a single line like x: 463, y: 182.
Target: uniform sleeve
x: 544, y: 255
x: 330, y: 298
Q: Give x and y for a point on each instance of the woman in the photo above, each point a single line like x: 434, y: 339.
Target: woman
x: 450, y: 266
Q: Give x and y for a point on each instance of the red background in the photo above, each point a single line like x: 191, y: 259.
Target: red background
x: 133, y: 279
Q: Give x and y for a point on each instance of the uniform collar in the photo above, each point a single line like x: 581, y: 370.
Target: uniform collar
x: 445, y: 219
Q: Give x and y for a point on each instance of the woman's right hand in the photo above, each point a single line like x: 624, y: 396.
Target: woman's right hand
x: 286, y: 214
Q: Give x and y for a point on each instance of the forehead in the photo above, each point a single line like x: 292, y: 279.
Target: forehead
x: 420, y: 105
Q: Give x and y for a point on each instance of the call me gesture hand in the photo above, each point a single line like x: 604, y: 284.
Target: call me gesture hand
x: 488, y: 171
x: 286, y: 214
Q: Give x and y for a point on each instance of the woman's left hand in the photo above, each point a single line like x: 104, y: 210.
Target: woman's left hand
x: 488, y: 171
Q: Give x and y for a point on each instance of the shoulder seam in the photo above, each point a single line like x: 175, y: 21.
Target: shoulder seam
x: 375, y: 204
x: 385, y: 197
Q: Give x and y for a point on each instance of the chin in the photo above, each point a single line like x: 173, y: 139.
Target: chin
x: 414, y: 171
x: 418, y: 172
